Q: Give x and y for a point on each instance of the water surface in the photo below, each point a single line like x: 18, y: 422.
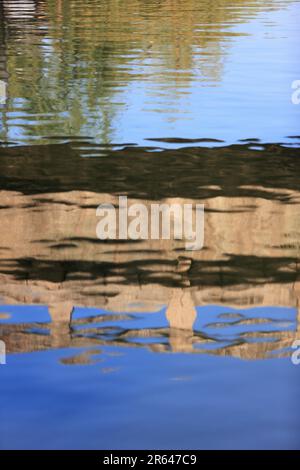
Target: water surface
x: 124, y: 72
x: 140, y: 344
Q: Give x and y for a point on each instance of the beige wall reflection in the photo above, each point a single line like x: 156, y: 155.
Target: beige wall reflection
x: 181, y: 314
x: 49, y: 255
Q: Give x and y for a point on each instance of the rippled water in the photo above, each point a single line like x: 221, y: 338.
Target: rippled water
x: 127, y: 71
x: 141, y: 344
x: 105, y: 380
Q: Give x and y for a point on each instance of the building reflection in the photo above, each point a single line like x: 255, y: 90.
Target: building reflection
x: 88, y: 335
x: 50, y: 255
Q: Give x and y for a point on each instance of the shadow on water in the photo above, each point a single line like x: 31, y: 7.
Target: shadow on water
x: 193, y: 172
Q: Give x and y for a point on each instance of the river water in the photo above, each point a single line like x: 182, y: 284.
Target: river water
x: 140, y: 343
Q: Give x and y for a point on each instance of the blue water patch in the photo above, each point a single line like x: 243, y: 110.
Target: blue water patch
x: 14, y: 314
